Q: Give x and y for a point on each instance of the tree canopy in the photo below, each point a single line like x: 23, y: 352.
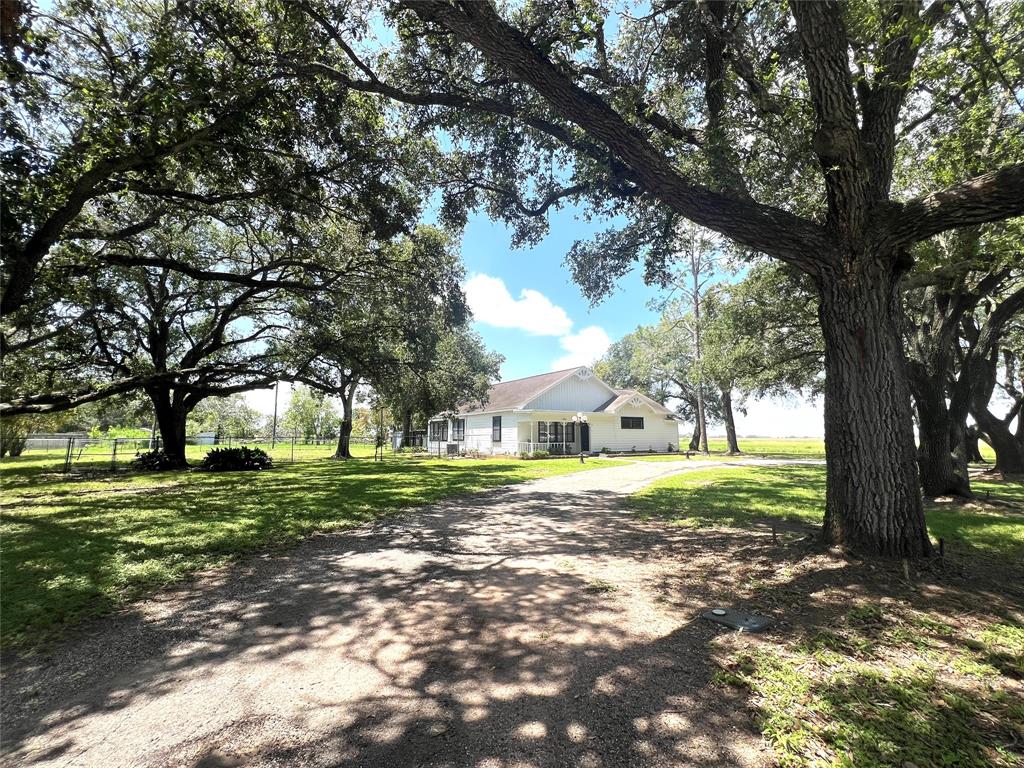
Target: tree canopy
x: 778, y: 126
x: 799, y: 131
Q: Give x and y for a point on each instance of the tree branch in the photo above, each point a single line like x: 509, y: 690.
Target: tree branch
x: 990, y: 197
x: 764, y: 228
x: 837, y: 144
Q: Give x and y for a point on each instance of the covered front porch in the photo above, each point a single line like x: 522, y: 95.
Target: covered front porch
x: 560, y: 434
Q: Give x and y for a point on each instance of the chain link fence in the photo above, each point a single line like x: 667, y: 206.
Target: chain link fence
x: 92, y: 454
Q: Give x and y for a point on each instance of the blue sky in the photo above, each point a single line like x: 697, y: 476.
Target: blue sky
x: 527, y: 307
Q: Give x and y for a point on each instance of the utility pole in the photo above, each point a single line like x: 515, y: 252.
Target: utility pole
x: 696, y: 265
x: 273, y: 435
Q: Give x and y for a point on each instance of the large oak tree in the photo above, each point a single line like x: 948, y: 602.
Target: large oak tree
x: 777, y: 126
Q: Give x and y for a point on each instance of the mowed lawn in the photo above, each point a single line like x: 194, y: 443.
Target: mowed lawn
x: 75, y: 548
x: 870, y: 668
x: 745, y: 496
x: 775, y: 448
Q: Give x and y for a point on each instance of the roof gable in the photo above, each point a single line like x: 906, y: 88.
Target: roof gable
x: 624, y: 397
x: 582, y: 388
x: 511, y: 395
x: 519, y: 394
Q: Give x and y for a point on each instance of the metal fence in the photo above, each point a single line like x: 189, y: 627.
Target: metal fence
x: 93, y: 454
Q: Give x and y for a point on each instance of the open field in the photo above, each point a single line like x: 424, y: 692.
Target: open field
x: 777, y: 448
x: 774, y: 448
x: 873, y: 666
x: 77, y: 547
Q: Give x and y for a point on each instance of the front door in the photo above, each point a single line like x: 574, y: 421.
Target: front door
x: 584, y: 437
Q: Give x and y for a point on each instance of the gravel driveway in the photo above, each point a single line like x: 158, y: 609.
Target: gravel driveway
x: 534, y: 625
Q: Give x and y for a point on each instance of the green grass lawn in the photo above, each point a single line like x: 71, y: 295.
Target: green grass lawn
x: 889, y: 686
x: 76, y: 547
x: 741, y: 496
x: 774, y: 448
x: 898, y: 678
x: 99, y: 456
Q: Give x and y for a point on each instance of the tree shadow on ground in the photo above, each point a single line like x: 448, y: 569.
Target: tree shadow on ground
x: 466, y: 634
x: 79, y: 552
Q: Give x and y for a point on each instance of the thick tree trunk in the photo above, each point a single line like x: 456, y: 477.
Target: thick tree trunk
x: 171, y: 418
x: 407, y: 428
x: 730, y: 424
x: 1009, y: 452
x: 973, y: 452
x: 940, y: 452
x: 695, y: 438
x: 344, y: 450
x: 873, y: 499
x: 702, y: 421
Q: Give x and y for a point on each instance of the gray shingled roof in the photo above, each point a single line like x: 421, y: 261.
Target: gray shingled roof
x: 508, y: 395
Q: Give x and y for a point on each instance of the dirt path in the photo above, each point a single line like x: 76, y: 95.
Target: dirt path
x: 536, y: 625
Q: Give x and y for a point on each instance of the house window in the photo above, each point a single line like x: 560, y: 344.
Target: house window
x: 550, y: 432
x: 632, y: 422
x: 459, y: 429
x: 570, y: 432
x: 496, y: 429
x: 438, y: 431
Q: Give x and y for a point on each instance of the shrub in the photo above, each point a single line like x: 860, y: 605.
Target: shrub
x: 604, y: 449
x: 236, y: 459
x: 12, y: 444
x: 540, y: 454
x: 671, y: 448
x: 13, y: 435
x: 412, y: 449
x: 153, y: 461
x: 117, y: 432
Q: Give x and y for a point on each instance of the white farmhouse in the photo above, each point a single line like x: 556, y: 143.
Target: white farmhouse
x: 563, y: 412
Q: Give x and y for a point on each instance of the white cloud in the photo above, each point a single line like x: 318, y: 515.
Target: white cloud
x: 582, y: 348
x: 263, y: 399
x: 533, y: 312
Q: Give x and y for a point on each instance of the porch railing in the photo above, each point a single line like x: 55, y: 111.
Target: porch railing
x: 554, y: 449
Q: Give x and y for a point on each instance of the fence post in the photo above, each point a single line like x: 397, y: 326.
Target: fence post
x: 113, y: 456
x: 67, y: 456
x: 293, y: 446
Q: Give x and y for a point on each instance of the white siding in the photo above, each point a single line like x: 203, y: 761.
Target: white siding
x: 657, y: 434
x: 572, y: 394
x: 478, y: 435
